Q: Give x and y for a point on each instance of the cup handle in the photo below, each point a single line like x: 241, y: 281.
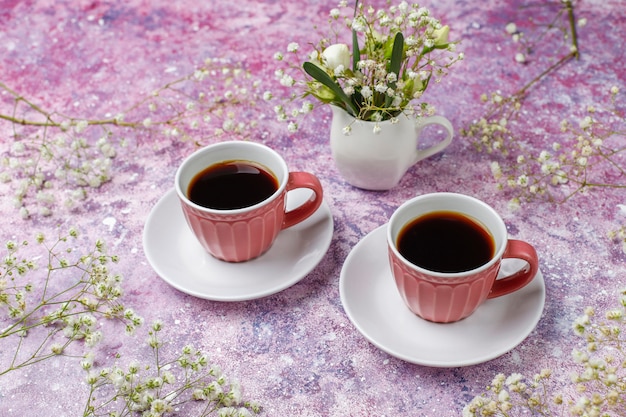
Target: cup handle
x: 306, y: 209
x: 521, y: 250
x: 440, y: 146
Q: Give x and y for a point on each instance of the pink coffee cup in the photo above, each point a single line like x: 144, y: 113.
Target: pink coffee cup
x: 241, y: 234
x: 446, y: 297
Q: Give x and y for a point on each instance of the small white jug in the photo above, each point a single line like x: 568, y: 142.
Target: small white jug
x: 377, y: 161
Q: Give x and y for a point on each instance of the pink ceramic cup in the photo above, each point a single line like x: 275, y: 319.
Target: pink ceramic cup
x: 448, y: 297
x: 242, y: 234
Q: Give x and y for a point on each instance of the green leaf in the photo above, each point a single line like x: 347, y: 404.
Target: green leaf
x: 427, y: 50
x: 356, y: 52
x: 396, y: 54
x: 321, y: 76
x: 426, y: 81
x: 395, y: 64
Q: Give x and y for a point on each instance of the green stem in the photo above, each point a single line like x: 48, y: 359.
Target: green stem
x: 50, y: 123
x: 545, y: 72
x: 572, y: 26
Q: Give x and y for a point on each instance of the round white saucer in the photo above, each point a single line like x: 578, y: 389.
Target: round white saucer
x: 177, y: 257
x: 371, y: 300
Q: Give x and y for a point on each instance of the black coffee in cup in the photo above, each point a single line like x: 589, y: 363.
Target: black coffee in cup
x: 232, y: 185
x: 446, y: 241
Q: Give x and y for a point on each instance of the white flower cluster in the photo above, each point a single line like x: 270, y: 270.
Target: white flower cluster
x: 56, y: 163
x: 13, y: 297
x: 84, y: 291
x: 505, y: 391
x: 527, y: 45
x: 369, y: 88
x: 568, y: 165
x: 227, y: 93
x: 619, y: 233
x: 160, y: 387
x: 36, y: 166
x: 597, y: 390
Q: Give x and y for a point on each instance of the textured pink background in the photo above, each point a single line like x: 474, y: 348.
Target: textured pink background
x: 297, y: 352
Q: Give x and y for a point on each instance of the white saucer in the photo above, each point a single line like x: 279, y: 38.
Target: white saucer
x: 177, y: 257
x: 371, y: 300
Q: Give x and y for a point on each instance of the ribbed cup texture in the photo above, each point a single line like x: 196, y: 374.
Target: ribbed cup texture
x: 237, y: 237
x: 442, y: 299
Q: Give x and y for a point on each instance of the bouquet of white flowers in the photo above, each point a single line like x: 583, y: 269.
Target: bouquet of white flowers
x: 396, y: 54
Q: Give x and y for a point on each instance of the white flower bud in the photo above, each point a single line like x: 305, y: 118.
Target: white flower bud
x: 440, y: 36
x: 336, y: 55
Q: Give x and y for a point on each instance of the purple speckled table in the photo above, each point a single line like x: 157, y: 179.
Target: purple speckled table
x: 297, y: 352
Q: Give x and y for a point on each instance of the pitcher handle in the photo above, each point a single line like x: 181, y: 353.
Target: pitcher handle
x: 439, y: 146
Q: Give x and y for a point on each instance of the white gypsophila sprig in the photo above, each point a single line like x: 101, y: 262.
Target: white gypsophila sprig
x: 586, y: 155
x: 597, y: 388
x: 365, y: 82
x: 48, y: 171
x: 53, y: 161
x: 62, y: 299
x: 160, y: 386
x: 529, y: 42
x: 619, y: 233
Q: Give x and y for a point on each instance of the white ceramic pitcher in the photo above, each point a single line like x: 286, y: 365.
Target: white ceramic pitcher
x: 377, y: 161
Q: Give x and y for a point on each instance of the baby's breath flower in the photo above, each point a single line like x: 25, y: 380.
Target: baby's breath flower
x: 153, y: 389
x: 79, y: 305
x: 598, y: 383
x: 153, y: 341
x: 514, y: 204
x: 511, y: 28
x: 379, y: 94
x: 615, y: 314
x: 522, y: 181
x: 586, y: 122
x: 56, y: 348
x: 513, y: 379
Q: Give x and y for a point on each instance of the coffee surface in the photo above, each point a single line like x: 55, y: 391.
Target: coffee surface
x: 232, y: 185
x: 446, y: 241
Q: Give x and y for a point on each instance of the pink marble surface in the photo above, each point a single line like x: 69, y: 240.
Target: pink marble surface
x: 296, y: 352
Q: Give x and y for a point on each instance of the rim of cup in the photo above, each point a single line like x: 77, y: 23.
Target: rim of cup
x: 432, y: 202
x: 231, y: 151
